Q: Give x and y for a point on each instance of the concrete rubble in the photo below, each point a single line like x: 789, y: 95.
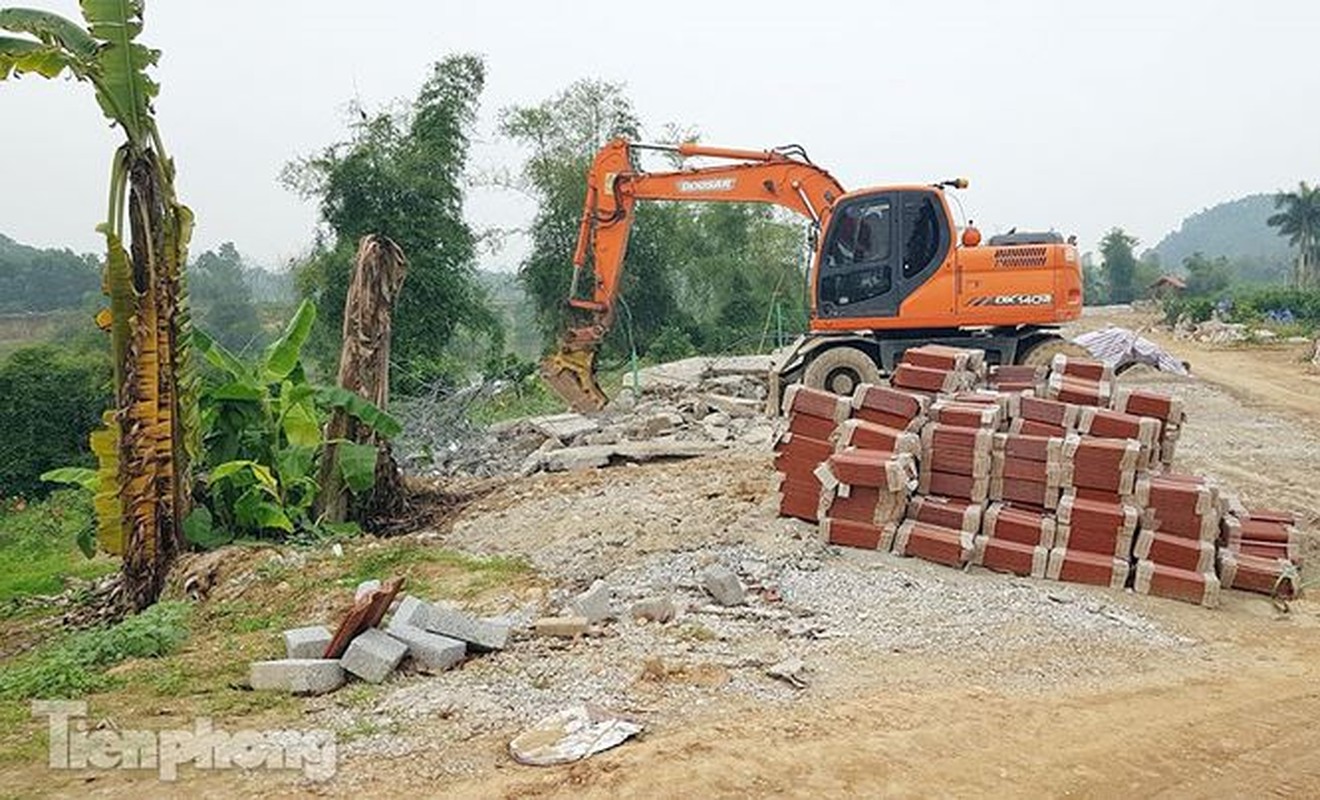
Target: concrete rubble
x: 723, y: 585
x: 684, y: 409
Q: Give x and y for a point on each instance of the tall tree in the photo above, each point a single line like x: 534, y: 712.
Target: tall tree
x: 1206, y: 276
x: 152, y: 435
x: 1120, y: 265
x: 1297, y: 217
x: 400, y: 175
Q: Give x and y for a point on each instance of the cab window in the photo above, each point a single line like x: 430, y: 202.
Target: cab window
x: 922, y: 232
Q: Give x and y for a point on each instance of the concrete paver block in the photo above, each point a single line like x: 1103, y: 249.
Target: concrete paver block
x: 309, y: 642
x: 297, y: 675
x: 373, y: 655
x: 430, y: 652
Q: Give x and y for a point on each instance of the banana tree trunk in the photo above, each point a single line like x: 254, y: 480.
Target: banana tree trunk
x: 364, y: 368
x: 153, y: 463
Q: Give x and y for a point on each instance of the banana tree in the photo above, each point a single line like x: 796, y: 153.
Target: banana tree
x: 150, y: 436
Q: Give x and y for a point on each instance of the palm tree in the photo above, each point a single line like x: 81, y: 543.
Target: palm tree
x: 150, y: 437
x: 1298, y: 218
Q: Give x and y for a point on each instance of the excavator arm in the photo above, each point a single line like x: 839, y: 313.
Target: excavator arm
x: 614, y: 185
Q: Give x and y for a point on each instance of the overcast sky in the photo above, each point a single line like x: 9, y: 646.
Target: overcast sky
x: 1073, y: 116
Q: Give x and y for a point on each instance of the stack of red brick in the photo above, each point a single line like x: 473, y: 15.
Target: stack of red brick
x: 1015, y: 539
x: 1167, y: 410
x: 812, y: 416
x: 1082, y: 381
x: 1176, y: 549
x: 863, y: 496
x: 1259, y: 552
x: 937, y: 369
x: 1059, y: 486
x: 1017, y: 378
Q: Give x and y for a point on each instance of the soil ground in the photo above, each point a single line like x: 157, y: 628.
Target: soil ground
x: 922, y: 680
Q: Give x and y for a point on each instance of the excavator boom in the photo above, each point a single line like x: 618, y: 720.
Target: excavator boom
x: 614, y: 185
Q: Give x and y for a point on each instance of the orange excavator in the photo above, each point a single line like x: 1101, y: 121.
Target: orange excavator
x: 889, y: 271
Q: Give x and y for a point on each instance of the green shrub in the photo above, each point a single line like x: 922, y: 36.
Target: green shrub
x: 76, y: 666
x: 51, y: 398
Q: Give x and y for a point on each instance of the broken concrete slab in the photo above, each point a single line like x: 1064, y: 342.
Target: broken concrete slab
x: 309, y: 642
x: 481, y: 634
x: 654, y: 609
x: 430, y: 652
x: 297, y: 675
x: 594, y: 603
x: 564, y: 427
x: 723, y: 585
x: 564, y: 627
x: 373, y: 655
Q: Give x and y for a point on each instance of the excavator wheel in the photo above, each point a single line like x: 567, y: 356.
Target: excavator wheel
x: 840, y: 370
x: 1043, y: 353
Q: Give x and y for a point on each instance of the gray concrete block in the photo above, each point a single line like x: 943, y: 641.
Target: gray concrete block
x: 309, y: 642
x: 413, y: 611
x: 430, y: 652
x: 594, y: 603
x: 723, y: 585
x: 373, y: 655
x: 297, y: 675
x: 479, y: 633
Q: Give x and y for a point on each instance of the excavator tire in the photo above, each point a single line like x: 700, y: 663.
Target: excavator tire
x: 840, y: 370
x: 1043, y: 353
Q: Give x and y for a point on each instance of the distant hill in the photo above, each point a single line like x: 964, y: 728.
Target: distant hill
x: 35, y: 280
x: 1236, y: 230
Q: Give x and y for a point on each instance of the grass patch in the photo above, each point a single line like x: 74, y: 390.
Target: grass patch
x: 77, y: 665
x: 38, y: 548
x: 418, y: 563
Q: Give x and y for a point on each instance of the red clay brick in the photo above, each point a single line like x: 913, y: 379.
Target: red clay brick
x: 933, y: 543
x: 946, y: 512
x: 1087, y: 368
x: 1078, y: 567
x: 1175, y: 551
x: 1162, y: 580
x: 1101, y: 541
x: 811, y: 426
x: 800, y: 399
x: 1052, y: 412
x: 889, y: 400
x: 1257, y: 574
x: 1019, y: 525
x: 871, y: 436
x: 849, y: 533
x: 908, y: 376
x: 1004, y: 555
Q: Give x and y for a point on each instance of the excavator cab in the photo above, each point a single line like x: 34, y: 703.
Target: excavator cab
x: 880, y: 246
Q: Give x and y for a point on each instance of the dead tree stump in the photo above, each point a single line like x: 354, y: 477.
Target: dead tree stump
x: 364, y: 368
